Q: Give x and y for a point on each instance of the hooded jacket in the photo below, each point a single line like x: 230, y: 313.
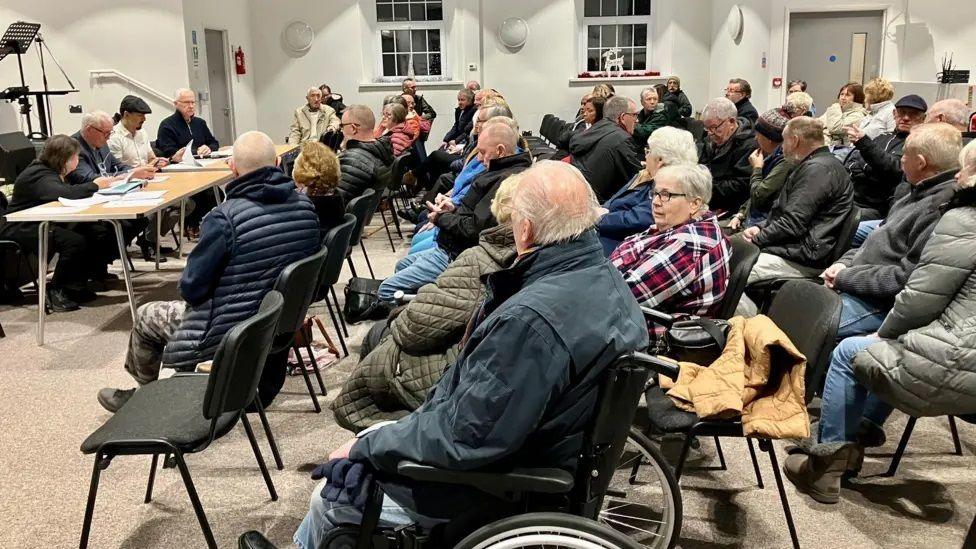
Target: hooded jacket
x: 680, y: 101
x: 926, y: 363
x: 525, y: 386
x: 808, y: 217
x: 875, y: 168
x: 424, y: 339
x: 359, y: 166
x: 606, y: 155
x: 729, y: 164
x: 263, y: 226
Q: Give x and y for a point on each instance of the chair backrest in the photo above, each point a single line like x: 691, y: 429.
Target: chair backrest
x: 846, y: 234
x: 809, y: 314
x: 400, y: 166
x: 297, y: 284
x: 621, y: 389
x: 239, y: 361
x: 337, y: 242
x: 744, y: 257
x: 363, y: 207
x: 546, y: 119
x: 696, y: 128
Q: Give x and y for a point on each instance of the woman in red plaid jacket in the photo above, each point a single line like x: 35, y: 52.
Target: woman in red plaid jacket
x: 680, y: 265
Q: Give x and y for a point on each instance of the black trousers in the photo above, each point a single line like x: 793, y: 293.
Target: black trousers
x: 74, y: 263
x: 436, y: 164
x: 204, y: 202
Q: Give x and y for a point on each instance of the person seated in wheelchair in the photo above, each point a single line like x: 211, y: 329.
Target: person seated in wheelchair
x: 680, y: 265
x: 523, y: 389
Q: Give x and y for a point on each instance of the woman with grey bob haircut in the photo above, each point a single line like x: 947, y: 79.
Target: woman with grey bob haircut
x: 628, y: 211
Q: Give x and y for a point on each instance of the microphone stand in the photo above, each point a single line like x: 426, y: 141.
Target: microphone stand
x: 41, y: 46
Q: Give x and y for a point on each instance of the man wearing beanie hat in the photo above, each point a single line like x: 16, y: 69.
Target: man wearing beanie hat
x: 770, y: 168
x: 875, y: 164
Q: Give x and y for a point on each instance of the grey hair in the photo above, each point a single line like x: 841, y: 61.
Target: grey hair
x: 798, y: 103
x: 649, y: 89
x: 809, y: 130
x: 312, y: 90
x: 673, y: 146
x: 501, y: 131
x: 937, y: 142
x: 253, y: 150
x: 719, y: 108
x: 181, y: 91
x: 695, y: 180
x: 94, y: 119
x: 956, y: 112
x: 467, y: 93
x: 501, y: 119
x: 555, y: 197
x: 495, y: 111
x: 615, y: 106
x: 967, y: 159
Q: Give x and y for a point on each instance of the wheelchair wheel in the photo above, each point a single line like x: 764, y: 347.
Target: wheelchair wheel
x: 643, y: 500
x: 546, y: 530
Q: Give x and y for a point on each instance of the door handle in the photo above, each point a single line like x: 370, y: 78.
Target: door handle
x: 227, y: 111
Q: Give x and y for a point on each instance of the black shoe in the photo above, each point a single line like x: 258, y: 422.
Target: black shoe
x: 412, y: 214
x: 113, y: 399
x: 149, y: 253
x: 80, y: 295
x: 105, y: 277
x: 59, y: 302
x: 97, y: 286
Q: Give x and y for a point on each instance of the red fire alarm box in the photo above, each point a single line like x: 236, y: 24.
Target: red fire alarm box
x: 777, y: 82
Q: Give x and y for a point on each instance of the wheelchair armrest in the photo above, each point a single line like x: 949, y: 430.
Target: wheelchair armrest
x: 659, y: 365
x: 518, y: 481
x: 402, y: 298
x: 658, y: 317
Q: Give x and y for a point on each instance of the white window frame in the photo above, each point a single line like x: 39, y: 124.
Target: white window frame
x: 377, y: 41
x: 585, y: 22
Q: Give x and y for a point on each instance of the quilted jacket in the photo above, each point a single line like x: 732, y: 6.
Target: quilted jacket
x: 424, y: 339
x: 767, y: 390
x: 926, y: 363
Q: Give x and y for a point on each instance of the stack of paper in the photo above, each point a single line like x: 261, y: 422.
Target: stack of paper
x: 84, y: 202
x: 143, y: 195
x: 134, y: 203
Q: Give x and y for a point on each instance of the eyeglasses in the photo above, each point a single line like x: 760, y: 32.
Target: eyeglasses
x: 344, y: 124
x: 666, y: 196
x: 714, y: 129
x: 188, y: 102
x: 101, y: 131
x: 634, y: 114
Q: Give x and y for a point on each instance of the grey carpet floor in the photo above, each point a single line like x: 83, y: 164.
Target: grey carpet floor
x: 48, y: 407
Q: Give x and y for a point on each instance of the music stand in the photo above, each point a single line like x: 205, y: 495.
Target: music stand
x: 17, y: 39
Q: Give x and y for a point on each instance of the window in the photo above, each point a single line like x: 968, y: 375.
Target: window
x: 619, y: 24
x: 411, y: 33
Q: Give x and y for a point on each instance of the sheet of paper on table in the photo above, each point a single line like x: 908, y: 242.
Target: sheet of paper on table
x: 143, y: 195
x: 66, y: 209
x: 134, y: 203
x: 205, y: 162
x: 84, y: 202
x: 159, y: 179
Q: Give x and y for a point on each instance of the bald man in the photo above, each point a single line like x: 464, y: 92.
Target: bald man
x: 177, y: 129
x: 459, y: 226
x: 245, y: 242
x: 954, y: 112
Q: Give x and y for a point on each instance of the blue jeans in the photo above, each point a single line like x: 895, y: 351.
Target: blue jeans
x: 324, y: 515
x: 845, y: 401
x: 423, y: 241
x: 864, y: 229
x: 414, y: 271
x: 858, y: 317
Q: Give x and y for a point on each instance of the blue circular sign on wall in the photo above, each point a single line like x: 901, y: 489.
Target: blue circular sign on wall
x: 832, y: 58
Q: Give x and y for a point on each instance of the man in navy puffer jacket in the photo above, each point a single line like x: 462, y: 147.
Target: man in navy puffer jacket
x: 245, y: 242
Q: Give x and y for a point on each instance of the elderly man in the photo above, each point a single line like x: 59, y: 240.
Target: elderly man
x: 362, y: 157
x: 677, y: 97
x: 654, y: 114
x: 179, y: 128
x: 264, y: 222
x: 807, y: 219
x: 526, y: 383
x: 954, y: 112
x: 726, y: 152
x: 605, y: 153
x: 422, y: 106
x: 869, y: 277
x: 459, y: 225
x: 739, y: 91
x: 473, y: 85
x: 312, y: 120
x: 439, y: 161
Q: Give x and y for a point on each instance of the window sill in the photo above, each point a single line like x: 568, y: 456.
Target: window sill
x: 625, y: 79
x: 438, y: 84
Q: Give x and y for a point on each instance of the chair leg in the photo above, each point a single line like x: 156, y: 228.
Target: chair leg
x: 679, y: 467
x: 386, y: 227
x: 2, y: 333
x: 268, y: 433
x: 338, y: 329
x: 315, y: 367
x: 308, y: 382
x: 955, y: 435
x: 259, y: 457
x: 132, y: 266
x: 900, y: 450
x: 352, y: 268
x: 721, y: 455
x: 342, y: 317
x: 90, y: 506
x: 755, y: 464
x: 195, y: 500
x: 767, y: 446
x: 152, y: 478
x: 366, y: 257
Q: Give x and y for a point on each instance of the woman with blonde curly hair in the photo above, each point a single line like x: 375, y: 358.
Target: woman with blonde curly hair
x: 878, y: 94
x: 316, y: 174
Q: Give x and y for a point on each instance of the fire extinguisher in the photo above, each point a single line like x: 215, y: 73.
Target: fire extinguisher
x: 239, y: 61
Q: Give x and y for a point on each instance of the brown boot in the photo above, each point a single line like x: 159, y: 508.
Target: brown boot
x: 819, y: 473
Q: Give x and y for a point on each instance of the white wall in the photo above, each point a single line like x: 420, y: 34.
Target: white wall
x: 143, y: 39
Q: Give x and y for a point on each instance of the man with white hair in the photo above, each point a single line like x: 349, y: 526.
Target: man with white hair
x: 954, y: 112
x: 473, y: 85
x: 312, y: 119
x: 605, y: 152
x: 245, y: 242
x: 730, y: 140
x: 525, y: 385
x: 177, y: 129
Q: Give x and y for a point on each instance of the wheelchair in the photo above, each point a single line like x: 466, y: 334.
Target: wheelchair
x: 604, y: 505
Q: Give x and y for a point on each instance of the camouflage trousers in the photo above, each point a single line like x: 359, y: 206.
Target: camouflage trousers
x: 155, y: 324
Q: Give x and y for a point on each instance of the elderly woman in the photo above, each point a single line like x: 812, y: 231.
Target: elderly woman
x: 628, y: 212
x: 922, y: 360
x: 316, y: 174
x: 394, y: 128
x: 394, y: 378
x: 880, y: 119
x: 654, y: 114
x: 770, y: 168
x: 680, y: 266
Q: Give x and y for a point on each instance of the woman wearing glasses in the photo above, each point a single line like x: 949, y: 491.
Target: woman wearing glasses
x: 680, y: 265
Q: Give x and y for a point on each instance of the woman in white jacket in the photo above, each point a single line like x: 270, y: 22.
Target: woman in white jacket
x: 878, y: 94
x: 847, y: 111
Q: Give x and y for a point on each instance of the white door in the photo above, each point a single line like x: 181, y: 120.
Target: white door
x: 221, y: 111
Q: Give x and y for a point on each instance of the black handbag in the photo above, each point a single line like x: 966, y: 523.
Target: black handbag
x: 362, y: 301
x: 699, y: 340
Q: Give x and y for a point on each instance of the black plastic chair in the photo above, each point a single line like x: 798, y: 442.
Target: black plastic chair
x: 337, y: 241
x: 401, y: 165
x: 363, y: 207
x: 812, y: 332
x: 907, y: 434
x: 743, y: 258
x: 184, y: 414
